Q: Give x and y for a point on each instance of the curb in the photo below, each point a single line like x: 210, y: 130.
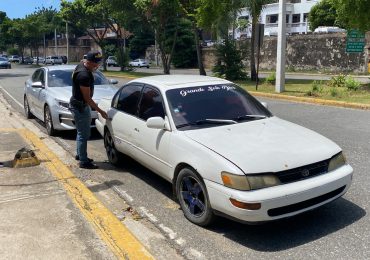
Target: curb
x: 316, y: 101
x: 118, y: 238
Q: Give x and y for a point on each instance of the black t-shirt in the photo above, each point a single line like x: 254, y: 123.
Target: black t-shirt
x: 82, y: 77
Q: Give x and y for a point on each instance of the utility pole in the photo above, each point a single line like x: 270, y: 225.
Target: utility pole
x: 67, y: 42
x: 56, y: 41
x: 281, y: 46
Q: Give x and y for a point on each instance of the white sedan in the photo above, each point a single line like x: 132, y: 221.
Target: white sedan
x: 139, y: 63
x: 222, y: 150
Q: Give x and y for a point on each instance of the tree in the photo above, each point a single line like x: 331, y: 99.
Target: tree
x: 255, y: 8
x: 90, y: 16
x: 324, y: 13
x: 160, y: 14
x: 353, y: 13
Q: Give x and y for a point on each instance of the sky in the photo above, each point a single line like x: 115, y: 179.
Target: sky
x: 21, y: 8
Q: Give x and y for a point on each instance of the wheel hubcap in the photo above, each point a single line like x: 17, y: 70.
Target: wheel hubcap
x: 193, y: 196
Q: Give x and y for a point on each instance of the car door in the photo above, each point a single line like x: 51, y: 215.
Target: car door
x: 123, y: 114
x: 34, y: 93
x: 152, y: 145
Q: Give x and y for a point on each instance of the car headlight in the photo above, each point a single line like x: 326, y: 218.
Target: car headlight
x: 62, y: 104
x: 252, y: 182
x: 337, y: 161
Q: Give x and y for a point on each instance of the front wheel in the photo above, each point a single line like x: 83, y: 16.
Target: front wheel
x: 49, y: 122
x: 27, y: 110
x: 113, y: 154
x: 192, y: 195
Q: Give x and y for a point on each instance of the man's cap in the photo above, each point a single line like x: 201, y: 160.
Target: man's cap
x: 94, y: 56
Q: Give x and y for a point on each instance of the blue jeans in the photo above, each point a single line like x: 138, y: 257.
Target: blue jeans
x: 82, y: 122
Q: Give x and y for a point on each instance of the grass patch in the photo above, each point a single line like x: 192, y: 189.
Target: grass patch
x: 128, y: 74
x: 304, y: 88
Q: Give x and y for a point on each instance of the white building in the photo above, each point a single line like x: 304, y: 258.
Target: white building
x: 296, y: 18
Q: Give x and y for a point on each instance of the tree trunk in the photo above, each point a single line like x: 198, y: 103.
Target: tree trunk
x: 252, y: 54
x: 202, y: 71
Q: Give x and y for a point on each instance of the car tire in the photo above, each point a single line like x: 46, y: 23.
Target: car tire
x: 114, y: 156
x: 27, y: 110
x: 49, y: 122
x: 147, y: 67
x: 193, y: 197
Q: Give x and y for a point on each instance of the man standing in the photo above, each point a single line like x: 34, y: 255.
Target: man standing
x: 81, y: 103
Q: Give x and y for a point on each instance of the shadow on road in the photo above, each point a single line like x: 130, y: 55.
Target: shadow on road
x: 295, y: 231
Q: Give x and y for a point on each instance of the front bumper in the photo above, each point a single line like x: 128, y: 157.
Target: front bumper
x: 283, y: 200
x: 63, y: 120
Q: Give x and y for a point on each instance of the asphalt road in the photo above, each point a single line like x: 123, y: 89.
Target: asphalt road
x: 339, y: 230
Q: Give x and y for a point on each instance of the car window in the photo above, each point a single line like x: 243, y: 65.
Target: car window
x: 151, y: 104
x: 129, y: 98
x: 36, y: 75
x: 63, y: 78
x: 100, y: 79
x: 60, y: 78
x: 224, y: 102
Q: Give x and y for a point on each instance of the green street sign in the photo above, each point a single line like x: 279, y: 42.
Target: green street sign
x: 355, y: 41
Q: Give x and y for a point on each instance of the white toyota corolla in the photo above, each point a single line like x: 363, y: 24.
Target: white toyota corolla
x: 222, y: 150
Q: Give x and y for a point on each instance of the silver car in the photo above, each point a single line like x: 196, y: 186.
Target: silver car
x: 47, y: 94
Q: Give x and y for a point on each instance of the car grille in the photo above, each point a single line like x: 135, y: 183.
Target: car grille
x: 304, y: 204
x: 303, y: 172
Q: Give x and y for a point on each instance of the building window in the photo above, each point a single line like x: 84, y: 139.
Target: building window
x: 296, y: 18
x: 305, y: 17
x: 273, y: 18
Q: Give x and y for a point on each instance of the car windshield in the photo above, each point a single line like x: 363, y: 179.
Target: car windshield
x: 3, y: 59
x: 213, y: 105
x: 63, y: 78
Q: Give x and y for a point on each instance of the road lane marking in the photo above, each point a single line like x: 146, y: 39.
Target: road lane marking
x: 16, y: 101
x: 120, y: 240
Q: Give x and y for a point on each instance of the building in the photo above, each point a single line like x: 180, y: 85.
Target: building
x: 296, y: 18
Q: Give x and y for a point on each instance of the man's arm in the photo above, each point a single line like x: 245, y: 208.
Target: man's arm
x: 86, y: 96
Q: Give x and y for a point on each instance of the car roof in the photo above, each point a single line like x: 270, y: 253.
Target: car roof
x: 166, y: 82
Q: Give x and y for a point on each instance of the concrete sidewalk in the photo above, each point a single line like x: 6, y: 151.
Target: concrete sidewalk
x: 48, y: 213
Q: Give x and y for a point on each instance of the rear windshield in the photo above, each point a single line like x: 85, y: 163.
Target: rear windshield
x: 63, y: 78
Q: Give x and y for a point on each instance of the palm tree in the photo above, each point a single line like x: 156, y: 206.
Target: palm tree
x: 255, y: 8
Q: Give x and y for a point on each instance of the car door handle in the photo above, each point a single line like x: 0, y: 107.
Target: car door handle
x: 136, y: 130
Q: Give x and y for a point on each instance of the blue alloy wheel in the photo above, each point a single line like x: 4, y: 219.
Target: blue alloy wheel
x: 193, y: 197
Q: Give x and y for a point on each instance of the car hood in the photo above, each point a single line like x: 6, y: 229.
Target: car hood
x: 100, y: 91
x: 267, y: 145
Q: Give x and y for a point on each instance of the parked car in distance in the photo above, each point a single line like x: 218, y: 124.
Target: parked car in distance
x: 47, y: 93
x: 14, y: 58
x: 223, y: 151
x: 111, y: 61
x: 4, y: 63
x: 139, y: 63
x: 53, y: 60
x: 27, y: 60
x: 41, y: 60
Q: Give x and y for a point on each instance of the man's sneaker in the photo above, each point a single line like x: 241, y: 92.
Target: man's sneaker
x: 88, y: 165
x: 78, y: 158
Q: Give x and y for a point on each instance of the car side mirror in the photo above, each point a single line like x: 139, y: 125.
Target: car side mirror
x: 113, y: 81
x: 37, y: 84
x: 157, y: 122
x: 264, y: 104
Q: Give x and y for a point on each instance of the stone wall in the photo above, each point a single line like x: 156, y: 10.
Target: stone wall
x: 314, y: 52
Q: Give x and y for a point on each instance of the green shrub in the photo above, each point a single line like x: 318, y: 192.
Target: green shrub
x: 338, y: 81
x: 317, y: 88
x: 229, y: 61
x: 352, y: 84
x: 334, y: 92
x: 271, y: 79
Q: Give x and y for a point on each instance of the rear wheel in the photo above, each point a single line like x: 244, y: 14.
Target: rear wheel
x: 49, y: 122
x: 192, y: 195
x: 27, y: 110
x: 113, y: 154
